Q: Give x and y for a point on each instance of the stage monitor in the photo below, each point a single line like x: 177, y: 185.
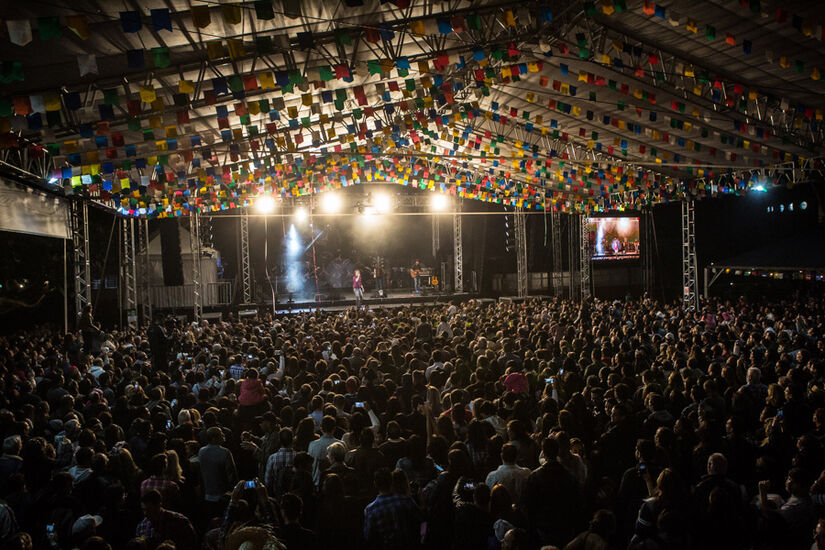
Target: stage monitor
x: 614, y: 238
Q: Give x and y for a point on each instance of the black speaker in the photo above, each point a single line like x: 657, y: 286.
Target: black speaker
x: 170, y: 253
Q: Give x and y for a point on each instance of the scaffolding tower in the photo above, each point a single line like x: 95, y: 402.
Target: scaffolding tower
x: 128, y: 270
x: 690, y: 298
x: 436, y: 236
x: 573, y: 234
x: 521, y: 251
x: 584, y: 260
x: 246, y: 267
x: 144, y: 272
x: 458, y: 252
x: 80, y: 256
x: 195, y: 248
x: 555, y: 244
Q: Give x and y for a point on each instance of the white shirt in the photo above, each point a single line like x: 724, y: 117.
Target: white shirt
x: 511, y: 476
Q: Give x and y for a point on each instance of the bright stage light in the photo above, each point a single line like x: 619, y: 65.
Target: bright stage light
x: 438, y: 202
x: 52, y: 180
x: 623, y: 226
x: 330, y: 203
x: 301, y: 215
x: 382, y: 203
x: 265, y: 204
x: 759, y: 188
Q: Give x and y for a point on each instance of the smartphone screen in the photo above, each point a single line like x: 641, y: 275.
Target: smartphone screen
x: 249, y: 484
x: 359, y: 404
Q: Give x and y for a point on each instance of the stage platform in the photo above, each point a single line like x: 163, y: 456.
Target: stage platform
x: 328, y: 302
x: 341, y: 300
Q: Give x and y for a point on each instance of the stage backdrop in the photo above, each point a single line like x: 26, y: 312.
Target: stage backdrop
x: 24, y: 210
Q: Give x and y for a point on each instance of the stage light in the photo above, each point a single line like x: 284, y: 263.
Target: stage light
x: 265, y: 204
x: 52, y: 180
x: 330, y: 203
x: 803, y: 205
x: 438, y: 202
x: 382, y: 203
x: 623, y: 226
x: 759, y: 188
x: 301, y: 215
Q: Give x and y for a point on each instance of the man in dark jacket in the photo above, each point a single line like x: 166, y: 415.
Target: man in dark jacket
x: 552, y: 500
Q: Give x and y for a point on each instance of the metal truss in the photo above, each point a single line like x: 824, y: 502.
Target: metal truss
x: 80, y: 256
x: 436, y: 221
x: 584, y: 259
x: 458, y: 253
x: 128, y: 275
x: 647, y: 251
x: 690, y: 298
x: 246, y: 268
x: 573, y: 235
x: 555, y: 244
x: 521, y: 252
x: 195, y: 249
x: 144, y: 278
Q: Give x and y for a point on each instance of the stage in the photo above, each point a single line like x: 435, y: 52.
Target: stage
x: 343, y: 299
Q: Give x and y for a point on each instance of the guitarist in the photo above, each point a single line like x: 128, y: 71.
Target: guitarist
x: 415, y: 273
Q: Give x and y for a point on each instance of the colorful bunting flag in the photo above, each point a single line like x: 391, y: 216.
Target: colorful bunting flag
x: 20, y: 31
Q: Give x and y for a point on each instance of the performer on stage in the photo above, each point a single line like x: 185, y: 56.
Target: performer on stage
x: 415, y: 272
x: 357, y: 288
x: 378, y: 275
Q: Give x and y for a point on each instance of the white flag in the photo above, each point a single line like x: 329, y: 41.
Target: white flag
x: 20, y: 31
x: 87, y: 64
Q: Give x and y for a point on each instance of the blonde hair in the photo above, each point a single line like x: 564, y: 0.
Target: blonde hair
x: 173, y: 470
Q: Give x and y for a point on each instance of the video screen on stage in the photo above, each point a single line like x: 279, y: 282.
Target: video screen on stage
x: 614, y: 238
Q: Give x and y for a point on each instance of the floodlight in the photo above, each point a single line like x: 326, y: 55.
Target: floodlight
x: 265, y: 204
x: 382, y: 203
x: 330, y: 203
x: 438, y: 202
x: 301, y: 214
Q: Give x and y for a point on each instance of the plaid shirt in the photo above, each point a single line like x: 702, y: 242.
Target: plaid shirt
x: 276, y: 465
x: 168, y: 489
x: 392, y: 522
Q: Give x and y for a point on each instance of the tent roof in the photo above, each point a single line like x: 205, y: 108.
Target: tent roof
x: 606, y: 103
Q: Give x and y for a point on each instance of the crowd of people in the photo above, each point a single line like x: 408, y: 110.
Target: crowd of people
x: 471, y: 426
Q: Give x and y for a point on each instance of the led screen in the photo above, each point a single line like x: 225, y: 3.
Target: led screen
x: 613, y: 238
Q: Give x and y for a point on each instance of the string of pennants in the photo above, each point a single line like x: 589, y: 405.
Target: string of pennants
x: 803, y: 24
x: 20, y: 32
x: 101, y: 154
x: 109, y: 144
x: 31, y: 107
x: 233, y: 186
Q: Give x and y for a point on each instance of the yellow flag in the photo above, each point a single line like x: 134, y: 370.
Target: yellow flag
x: 236, y: 49
x: 266, y: 80
x: 417, y: 28
x: 147, y: 94
x: 52, y: 102
x: 186, y: 86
